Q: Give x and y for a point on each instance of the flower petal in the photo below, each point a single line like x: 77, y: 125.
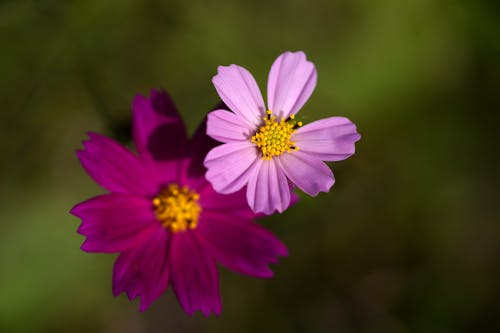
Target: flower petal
x: 194, y: 275
x: 330, y: 139
x: 144, y: 271
x: 115, y: 222
x: 159, y: 133
x: 149, y: 114
x: 238, y: 89
x: 115, y: 168
x: 291, y: 82
x: 309, y: 173
x: 193, y: 171
x: 234, y: 204
x: 268, y: 189
x: 246, y: 248
x: 230, y: 165
x: 226, y: 126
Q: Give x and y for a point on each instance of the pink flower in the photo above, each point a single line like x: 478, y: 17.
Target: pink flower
x: 163, y: 218
x: 266, y: 149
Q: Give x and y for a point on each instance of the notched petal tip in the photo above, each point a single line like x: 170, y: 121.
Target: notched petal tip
x: 144, y: 305
x: 291, y: 81
x: 76, y: 210
x: 238, y: 90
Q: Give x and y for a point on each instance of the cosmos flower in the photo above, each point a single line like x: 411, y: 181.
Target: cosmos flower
x: 163, y: 218
x: 268, y: 148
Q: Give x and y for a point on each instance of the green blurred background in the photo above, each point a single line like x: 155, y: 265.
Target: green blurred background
x: 408, y: 240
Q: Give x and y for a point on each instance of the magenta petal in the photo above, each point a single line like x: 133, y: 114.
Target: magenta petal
x: 148, y: 114
x: 114, y: 167
x: 230, y: 165
x: 226, y: 126
x: 115, y: 222
x: 310, y: 174
x: 291, y: 82
x: 330, y: 139
x: 238, y: 89
x: 268, y: 189
x: 234, y: 204
x: 246, y: 248
x: 144, y: 271
x: 194, y: 275
x: 193, y: 170
x: 159, y: 133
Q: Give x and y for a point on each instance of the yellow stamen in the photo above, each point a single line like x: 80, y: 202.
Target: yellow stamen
x: 177, y: 208
x: 273, y: 138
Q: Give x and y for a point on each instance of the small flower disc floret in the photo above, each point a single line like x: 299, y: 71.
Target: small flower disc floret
x: 273, y: 138
x: 177, y: 208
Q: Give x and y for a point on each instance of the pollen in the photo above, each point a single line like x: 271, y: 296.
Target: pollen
x: 274, y: 138
x: 177, y: 208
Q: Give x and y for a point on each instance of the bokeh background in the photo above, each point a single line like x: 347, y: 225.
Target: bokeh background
x: 408, y: 240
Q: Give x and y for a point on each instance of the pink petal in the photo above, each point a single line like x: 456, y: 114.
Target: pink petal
x: 194, y: 275
x: 330, y: 139
x: 291, y: 82
x: 115, y: 168
x: 268, y: 189
x: 143, y: 271
x: 230, y: 165
x: 310, y: 174
x: 246, y: 248
x: 115, y: 222
x: 238, y: 89
x: 226, y: 126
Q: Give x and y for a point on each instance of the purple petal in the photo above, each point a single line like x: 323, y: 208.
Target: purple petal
x: 330, y: 139
x: 226, y: 126
x: 150, y: 113
x: 159, y: 133
x: 234, y: 204
x: 194, y: 275
x: 268, y: 189
x: 144, y: 271
x: 290, y: 84
x: 193, y: 171
x: 309, y: 173
x: 246, y: 248
x: 238, y: 89
x: 230, y: 165
x: 115, y: 168
x: 115, y: 222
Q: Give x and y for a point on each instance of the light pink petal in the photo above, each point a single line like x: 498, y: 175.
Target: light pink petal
x: 194, y: 275
x: 268, y: 189
x: 291, y: 82
x: 226, y: 126
x: 144, y: 271
x: 115, y: 168
x: 330, y: 139
x: 115, y: 222
x: 246, y: 248
x: 238, y: 89
x: 309, y: 173
x: 230, y: 165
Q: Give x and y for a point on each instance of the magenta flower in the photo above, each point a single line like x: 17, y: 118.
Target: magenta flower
x: 164, y: 218
x: 266, y: 148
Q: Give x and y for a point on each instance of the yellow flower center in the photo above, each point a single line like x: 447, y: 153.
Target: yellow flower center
x: 273, y: 138
x: 177, y: 208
